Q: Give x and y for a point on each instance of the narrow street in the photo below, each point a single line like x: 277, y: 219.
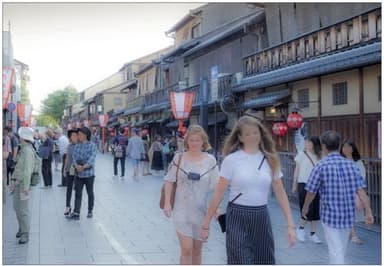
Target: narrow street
x: 129, y: 228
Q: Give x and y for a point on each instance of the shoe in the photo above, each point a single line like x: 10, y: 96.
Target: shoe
x: 315, y: 239
x: 18, y: 234
x: 60, y: 185
x: 89, y: 215
x: 300, y: 233
x: 356, y: 240
x: 44, y: 187
x: 67, y: 212
x: 114, y: 176
x: 23, y: 239
x: 73, y: 216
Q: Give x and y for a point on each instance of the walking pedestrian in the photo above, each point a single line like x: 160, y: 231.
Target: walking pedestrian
x: 145, y: 157
x: 84, y: 154
x: 135, y: 151
x: 45, y: 152
x: 196, y: 173
x: 69, y: 169
x: 250, y: 167
x: 7, y: 151
x: 56, y: 153
x: 120, y: 143
x: 349, y: 150
x: 63, y: 143
x: 305, y: 161
x: 337, y: 180
x: 11, y: 161
x: 156, y: 155
x: 21, y: 179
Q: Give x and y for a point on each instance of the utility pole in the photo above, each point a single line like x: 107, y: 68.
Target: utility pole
x: 204, y: 103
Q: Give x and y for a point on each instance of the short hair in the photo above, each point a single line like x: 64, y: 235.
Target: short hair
x: 331, y: 140
x: 196, y: 129
x: 9, y: 129
x: 49, y: 133
x: 122, y: 130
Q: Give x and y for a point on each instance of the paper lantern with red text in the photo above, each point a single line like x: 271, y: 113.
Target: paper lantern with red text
x: 280, y: 129
x: 295, y: 120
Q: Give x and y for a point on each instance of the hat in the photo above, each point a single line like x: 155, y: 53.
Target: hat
x: 26, y: 133
x: 86, y: 132
x: 58, y: 131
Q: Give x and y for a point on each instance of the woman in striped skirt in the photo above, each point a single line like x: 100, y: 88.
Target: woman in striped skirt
x: 250, y: 167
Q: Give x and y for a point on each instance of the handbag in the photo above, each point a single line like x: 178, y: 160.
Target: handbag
x: 173, y: 191
x: 222, y: 217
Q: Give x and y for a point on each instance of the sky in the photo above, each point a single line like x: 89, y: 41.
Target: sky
x: 81, y: 44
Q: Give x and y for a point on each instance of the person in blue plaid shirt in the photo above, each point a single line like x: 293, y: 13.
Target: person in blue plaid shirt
x: 337, y: 180
x: 84, y: 155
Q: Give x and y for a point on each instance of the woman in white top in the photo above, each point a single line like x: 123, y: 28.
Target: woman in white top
x: 305, y: 161
x: 250, y: 167
x: 349, y: 150
x: 190, y: 205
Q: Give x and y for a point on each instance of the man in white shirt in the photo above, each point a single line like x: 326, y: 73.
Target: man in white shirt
x: 63, y: 144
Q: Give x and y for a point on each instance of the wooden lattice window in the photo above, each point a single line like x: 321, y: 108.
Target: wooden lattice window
x: 340, y: 93
x: 303, y: 98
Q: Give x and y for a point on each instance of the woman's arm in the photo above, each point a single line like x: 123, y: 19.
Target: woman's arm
x: 282, y: 198
x: 214, y: 204
x: 295, y: 176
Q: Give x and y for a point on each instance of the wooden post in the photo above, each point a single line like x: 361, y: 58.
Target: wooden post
x: 362, y: 137
x: 103, y: 138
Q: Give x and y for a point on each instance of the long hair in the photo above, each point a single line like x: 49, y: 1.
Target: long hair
x: 355, y: 152
x: 267, y: 145
x: 316, y: 145
x: 196, y: 129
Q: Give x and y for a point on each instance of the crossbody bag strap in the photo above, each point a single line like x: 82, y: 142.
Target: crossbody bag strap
x: 210, y: 169
x: 261, y: 164
x: 238, y: 195
x: 305, y: 152
x: 178, y: 165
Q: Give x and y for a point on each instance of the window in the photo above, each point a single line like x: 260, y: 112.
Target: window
x: 195, y: 32
x: 303, y: 98
x: 315, y: 45
x: 378, y: 25
x: 338, y: 37
x: 118, y: 101
x: 364, y: 27
x: 379, y: 87
x: 340, y: 93
x: 327, y: 41
x: 306, y: 47
x: 82, y: 97
x: 289, y: 51
x: 350, y: 32
x: 297, y: 50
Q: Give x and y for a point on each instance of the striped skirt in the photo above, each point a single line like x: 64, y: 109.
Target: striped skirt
x: 249, y: 237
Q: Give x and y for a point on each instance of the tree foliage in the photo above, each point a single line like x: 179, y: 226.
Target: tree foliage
x: 46, y: 121
x: 54, y: 104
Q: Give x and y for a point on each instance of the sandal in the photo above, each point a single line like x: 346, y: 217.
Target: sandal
x: 356, y: 240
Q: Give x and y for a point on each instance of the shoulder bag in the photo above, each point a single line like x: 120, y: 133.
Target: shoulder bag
x: 173, y: 191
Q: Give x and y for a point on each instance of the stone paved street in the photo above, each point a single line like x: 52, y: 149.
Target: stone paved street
x: 129, y: 228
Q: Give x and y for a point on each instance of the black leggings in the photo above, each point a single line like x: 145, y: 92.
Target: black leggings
x: 70, y: 183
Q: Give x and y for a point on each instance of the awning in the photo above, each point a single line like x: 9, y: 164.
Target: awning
x: 266, y: 99
x: 117, y: 113
x: 126, y: 124
x: 132, y: 111
x: 174, y: 123
x: 142, y: 123
x: 155, y: 108
x: 130, y: 84
x: 114, y: 124
x: 352, y: 58
x: 221, y: 118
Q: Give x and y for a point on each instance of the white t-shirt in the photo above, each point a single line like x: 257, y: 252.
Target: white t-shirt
x: 241, y: 169
x: 305, y: 165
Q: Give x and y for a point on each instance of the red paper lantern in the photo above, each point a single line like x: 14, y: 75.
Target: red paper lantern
x: 295, y: 120
x: 126, y: 131
x: 183, y: 130
x: 280, y: 129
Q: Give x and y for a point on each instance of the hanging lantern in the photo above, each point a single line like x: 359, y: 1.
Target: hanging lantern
x: 103, y: 120
x: 295, y: 120
x: 8, y: 74
x: 181, y: 103
x: 280, y: 129
x: 126, y: 131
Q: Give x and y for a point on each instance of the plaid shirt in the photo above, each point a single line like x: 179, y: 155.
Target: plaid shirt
x: 86, y: 153
x: 337, y: 180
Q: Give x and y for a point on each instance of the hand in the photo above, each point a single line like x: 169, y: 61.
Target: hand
x: 294, y: 187
x: 25, y: 191
x: 79, y: 168
x: 217, y: 213
x: 369, y: 218
x: 204, y: 233
x: 291, y: 234
x: 167, y: 210
x: 304, y: 211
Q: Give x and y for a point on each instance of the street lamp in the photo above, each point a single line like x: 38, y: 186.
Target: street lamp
x: 181, y: 102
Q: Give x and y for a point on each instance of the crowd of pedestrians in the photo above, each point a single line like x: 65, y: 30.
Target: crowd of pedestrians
x: 329, y: 179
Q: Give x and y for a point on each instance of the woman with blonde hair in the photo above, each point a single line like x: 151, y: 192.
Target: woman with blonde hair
x: 197, y: 174
x: 250, y: 167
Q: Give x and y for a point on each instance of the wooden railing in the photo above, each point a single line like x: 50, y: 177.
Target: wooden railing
x: 355, y: 31
x: 159, y: 96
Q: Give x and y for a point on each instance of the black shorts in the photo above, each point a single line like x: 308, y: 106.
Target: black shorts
x: 314, y: 208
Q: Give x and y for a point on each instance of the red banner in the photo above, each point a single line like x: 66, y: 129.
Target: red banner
x: 21, y: 113
x: 7, y: 84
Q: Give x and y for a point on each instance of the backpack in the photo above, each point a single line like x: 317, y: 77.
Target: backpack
x: 36, y: 173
